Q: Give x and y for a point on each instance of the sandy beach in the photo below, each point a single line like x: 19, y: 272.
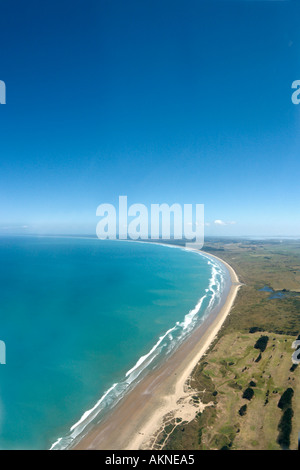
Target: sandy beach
x: 163, y: 394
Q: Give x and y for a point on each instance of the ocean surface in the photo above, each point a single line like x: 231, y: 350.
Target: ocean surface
x: 83, y: 320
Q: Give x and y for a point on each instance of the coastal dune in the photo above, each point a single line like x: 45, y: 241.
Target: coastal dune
x: 136, y: 420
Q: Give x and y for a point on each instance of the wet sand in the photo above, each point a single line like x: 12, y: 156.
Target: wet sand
x: 133, y: 422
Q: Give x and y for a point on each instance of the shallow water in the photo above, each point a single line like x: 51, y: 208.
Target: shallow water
x: 82, y: 319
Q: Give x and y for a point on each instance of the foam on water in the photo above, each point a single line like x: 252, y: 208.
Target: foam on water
x: 166, y: 343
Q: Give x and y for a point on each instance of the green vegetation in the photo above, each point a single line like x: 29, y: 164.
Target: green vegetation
x: 254, y: 329
x: 285, y: 429
x: 258, y: 358
x: 232, y: 366
x: 248, y: 393
x: 286, y: 399
x: 285, y: 424
x: 243, y: 410
x: 227, y: 420
x: 261, y: 343
x: 258, y: 264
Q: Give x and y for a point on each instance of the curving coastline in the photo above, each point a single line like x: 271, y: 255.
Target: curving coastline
x: 139, y: 415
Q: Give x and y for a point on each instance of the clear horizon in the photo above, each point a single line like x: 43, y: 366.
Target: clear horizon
x: 166, y: 102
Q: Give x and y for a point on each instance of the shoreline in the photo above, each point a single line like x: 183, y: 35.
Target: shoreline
x: 133, y: 422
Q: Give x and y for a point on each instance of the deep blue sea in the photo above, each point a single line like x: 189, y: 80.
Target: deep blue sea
x: 83, y: 320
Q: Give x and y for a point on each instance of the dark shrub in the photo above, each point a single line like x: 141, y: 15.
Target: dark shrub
x: 261, y: 343
x: 254, y: 329
x: 243, y: 410
x: 286, y: 399
x: 248, y: 393
x: 258, y: 358
x: 285, y: 428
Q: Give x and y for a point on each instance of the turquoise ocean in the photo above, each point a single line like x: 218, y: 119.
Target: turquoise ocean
x: 83, y: 321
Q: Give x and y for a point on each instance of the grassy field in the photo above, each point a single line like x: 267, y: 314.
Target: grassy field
x: 272, y: 264
x: 233, y: 364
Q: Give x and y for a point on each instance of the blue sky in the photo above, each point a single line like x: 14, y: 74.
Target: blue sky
x: 162, y: 101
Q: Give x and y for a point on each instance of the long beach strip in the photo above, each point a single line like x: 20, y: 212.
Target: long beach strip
x: 133, y: 422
